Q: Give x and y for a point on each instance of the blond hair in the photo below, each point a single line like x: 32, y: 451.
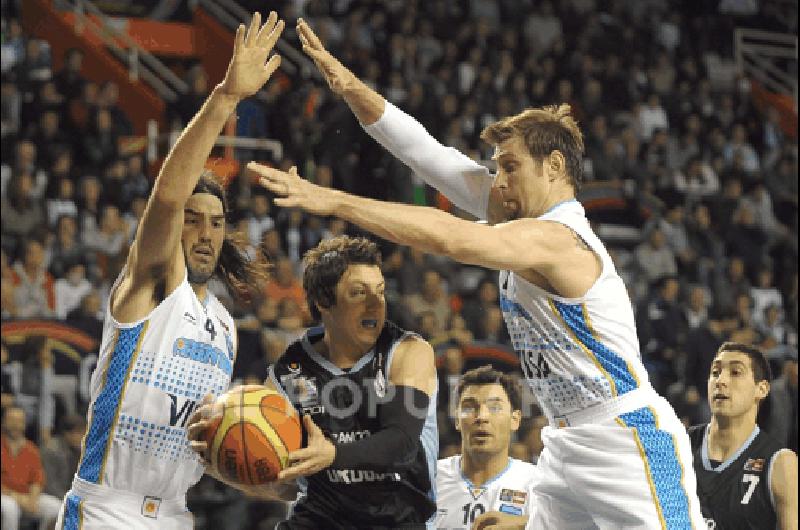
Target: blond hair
x: 544, y: 130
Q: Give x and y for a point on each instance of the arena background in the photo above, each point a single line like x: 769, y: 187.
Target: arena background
x: 689, y: 111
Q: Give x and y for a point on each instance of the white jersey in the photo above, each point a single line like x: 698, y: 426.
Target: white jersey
x: 459, y: 502
x: 574, y: 352
x: 149, y: 378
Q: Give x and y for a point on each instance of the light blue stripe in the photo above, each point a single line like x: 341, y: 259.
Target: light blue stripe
x: 72, y: 514
x: 665, y: 470
x: 105, y: 406
x: 613, y: 364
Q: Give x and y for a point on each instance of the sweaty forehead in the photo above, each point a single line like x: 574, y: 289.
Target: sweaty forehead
x: 205, y: 203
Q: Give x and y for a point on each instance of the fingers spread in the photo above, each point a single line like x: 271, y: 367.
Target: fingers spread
x: 238, y: 41
x: 273, y: 64
x: 268, y: 39
x: 252, y: 31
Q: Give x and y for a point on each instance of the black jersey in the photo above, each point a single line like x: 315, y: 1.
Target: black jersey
x: 736, y: 493
x: 344, y: 404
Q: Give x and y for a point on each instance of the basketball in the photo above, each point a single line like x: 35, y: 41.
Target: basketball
x: 251, y: 434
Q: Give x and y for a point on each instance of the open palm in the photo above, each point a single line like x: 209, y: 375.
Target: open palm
x: 249, y: 68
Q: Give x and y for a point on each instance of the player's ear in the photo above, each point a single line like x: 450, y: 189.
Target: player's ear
x: 762, y: 389
x: 516, y: 418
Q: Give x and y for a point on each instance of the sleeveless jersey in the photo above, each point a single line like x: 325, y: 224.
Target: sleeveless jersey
x: 150, y: 375
x: 460, y: 502
x: 345, y: 404
x: 736, y: 494
x: 574, y: 352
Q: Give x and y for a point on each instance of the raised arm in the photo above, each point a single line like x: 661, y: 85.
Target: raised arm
x: 461, y: 179
x: 535, y: 249
x: 156, y: 257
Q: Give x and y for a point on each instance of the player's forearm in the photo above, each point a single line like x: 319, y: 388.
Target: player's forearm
x: 461, y: 179
x: 366, y: 104
x: 185, y: 161
x: 421, y: 227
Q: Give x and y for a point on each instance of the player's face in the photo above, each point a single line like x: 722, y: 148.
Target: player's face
x: 485, y: 419
x: 203, y: 233
x: 521, y: 180
x: 732, y: 390
x: 360, y: 309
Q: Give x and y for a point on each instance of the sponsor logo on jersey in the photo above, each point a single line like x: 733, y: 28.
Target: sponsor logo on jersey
x: 355, y: 476
x: 476, y: 492
x: 754, y: 464
x: 350, y: 437
x: 294, y: 367
x: 511, y: 510
x: 150, y: 506
x: 513, y: 496
x: 303, y: 391
x: 203, y: 353
x: 190, y: 318
x: 224, y: 325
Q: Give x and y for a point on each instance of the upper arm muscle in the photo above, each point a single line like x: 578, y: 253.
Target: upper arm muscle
x: 413, y: 365
x: 535, y: 249
x: 155, y: 259
x: 784, y: 489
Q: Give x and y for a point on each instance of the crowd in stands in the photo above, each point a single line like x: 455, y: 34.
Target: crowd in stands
x: 716, y: 261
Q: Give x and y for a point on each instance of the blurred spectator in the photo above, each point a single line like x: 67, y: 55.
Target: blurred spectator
x: 23, y: 477
x: 61, y: 456
x: 491, y: 327
x: 782, y: 421
x: 696, y: 310
x: 63, y: 205
x: 6, y: 390
x: 487, y: 296
x: 88, y: 316
x: 34, y: 293
x: 740, y: 146
x: 100, y: 145
x: 283, y: 284
x: 22, y: 214
x: 108, y: 99
x: 71, y: 289
x: 68, y: 80
x: 652, y: 117
x: 764, y: 294
x: 260, y: 219
x: 655, y: 258
x: 730, y: 282
x: 65, y: 248
x: 432, y: 297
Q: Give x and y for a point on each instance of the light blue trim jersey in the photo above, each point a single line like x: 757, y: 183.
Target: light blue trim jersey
x: 149, y: 378
x: 460, y: 502
x: 574, y: 352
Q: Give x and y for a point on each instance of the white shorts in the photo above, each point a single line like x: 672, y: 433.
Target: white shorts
x: 89, y: 506
x: 624, y: 471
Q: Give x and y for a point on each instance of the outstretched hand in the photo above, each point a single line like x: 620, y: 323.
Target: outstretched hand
x: 294, y: 191
x: 314, y: 457
x: 247, y: 71
x: 338, y: 77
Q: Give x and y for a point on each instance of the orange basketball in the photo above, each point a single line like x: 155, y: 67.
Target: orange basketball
x: 251, y: 435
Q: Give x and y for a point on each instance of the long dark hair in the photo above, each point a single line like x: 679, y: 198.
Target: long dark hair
x: 240, y: 274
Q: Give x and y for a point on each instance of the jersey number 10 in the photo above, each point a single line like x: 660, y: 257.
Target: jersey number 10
x: 471, y: 511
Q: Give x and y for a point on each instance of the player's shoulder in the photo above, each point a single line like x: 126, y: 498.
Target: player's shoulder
x: 447, y: 468
x: 521, y: 471
x: 696, y: 433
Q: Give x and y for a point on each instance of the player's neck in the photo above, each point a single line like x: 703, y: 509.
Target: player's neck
x: 341, y: 352
x: 200, y: 290
x: 558, y: 197
x: 479, y: 469
x: 727, y: 434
